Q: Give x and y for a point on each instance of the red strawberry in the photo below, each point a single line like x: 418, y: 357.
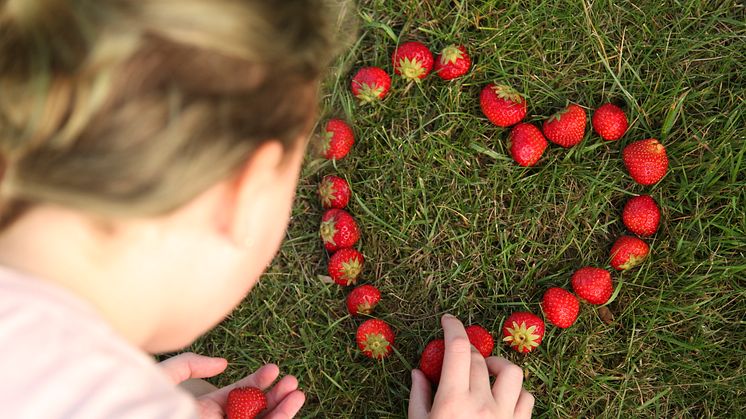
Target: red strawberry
x: 628, y: 252
x: 337, y: 139
x: 370, y: 84
x: 560, y: 307
x: 338, y: 230
x: 431, y: 361
x: 502, y: 105
x: 453, y: 62
x: 610, y: 122
x: 481, y: 339
x: 646, y: 161
x: 345, y: 266
x: 363, y: 299
x: 566, y: 127
x: 334, y: 192
x: 375, y: 338
x: 523, y: 331
x: 245, y: 403
x: 527, y: 144
x: 412, y: 60
x: 592, y: 284
x: 641, y: 215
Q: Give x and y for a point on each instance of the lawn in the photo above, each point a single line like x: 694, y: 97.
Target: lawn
x: 451, y: 224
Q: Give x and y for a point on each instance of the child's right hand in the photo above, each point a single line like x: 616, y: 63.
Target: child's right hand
x: 464, y: 390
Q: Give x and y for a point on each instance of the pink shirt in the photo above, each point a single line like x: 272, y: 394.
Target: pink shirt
x: 59, y: 359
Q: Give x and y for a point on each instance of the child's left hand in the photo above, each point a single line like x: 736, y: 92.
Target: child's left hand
x: 284, y: 399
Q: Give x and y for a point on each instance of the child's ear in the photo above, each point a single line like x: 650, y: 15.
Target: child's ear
x: 251, y: 193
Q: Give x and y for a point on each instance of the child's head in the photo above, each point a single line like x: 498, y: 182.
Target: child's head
x: 163, y: 138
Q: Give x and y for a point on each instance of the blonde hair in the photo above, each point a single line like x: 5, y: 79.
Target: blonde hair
x: 134, y: 107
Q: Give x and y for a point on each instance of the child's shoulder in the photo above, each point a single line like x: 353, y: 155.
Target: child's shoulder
x: 59, y: 359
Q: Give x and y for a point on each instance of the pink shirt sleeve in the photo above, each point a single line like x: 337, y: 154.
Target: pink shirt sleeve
x: 59, y: 359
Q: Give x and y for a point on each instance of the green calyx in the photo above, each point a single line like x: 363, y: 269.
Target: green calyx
x: 507, y: 93
x: 631, y: 262
x: 368, y: 93
x: 326, y: 191
x: 328, y: 230
x: 522, y: 337
x: 351, y: 270
x: 451, y: 54
x: 376, y: 345
x: 411, y: 68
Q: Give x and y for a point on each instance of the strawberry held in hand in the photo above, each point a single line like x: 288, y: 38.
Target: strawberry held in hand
x: 646, y: 161
x: 527, y: 144
x: 523, y: 331
x: 370, y: 84
x: 567, y: 127
x: 412, y: 60
x: 345, y: 266
x: 628, y: 252
x: 334, y: 192
x: 481, y: 339
x: 560, y: 307
x: 453, y: 62
x: 245, y: 403
x: 363, y: 299
x: 431, y: 361
x: 641, y: 215
x: 610, y: 122
x: 338, y: 230
x: 375, y: 337
x: 592, y: 284
x: 502, y: 105
x: 337, y: 139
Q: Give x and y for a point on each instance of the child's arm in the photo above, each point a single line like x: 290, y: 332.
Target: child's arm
x: 464, y: 390
x: 284, y: 399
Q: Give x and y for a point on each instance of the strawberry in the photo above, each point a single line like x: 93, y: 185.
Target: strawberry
x: 245, y: 403
x: 610, y: 122
x: 481, y: 339
x: 523, y: 331
x: 363, y: 299
x: 338, y: 230
x: 370, y: 84
x: 412, y: 60
x: 566, y: 127
x: 337, y: 139
x: 375, y: 338
x: 628, y: 252
x: 560, y: 307
x: 431, y: 361
x: 527, y: 144
x: 641, y: 215
x: 345, y: 266
x: 592, y: 284
x: 502, y: 105
x: 646, y: 161
x: 453, y: 62
x: 334, y: 192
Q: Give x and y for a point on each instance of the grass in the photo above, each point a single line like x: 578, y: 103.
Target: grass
x: 451, y: 224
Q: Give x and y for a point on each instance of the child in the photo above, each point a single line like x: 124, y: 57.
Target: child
x: 149, y: 154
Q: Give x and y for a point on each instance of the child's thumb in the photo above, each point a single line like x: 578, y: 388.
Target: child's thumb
x: 189, y: 365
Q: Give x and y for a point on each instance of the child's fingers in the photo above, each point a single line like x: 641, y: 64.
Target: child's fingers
x: 279, y: 391
x: 457, y: 358
x: 525, y: 405
x: 479, y: 376
x: 190, y: 365
x: 288, y: 407
x: 508, y: 381
x: 420, y: 397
